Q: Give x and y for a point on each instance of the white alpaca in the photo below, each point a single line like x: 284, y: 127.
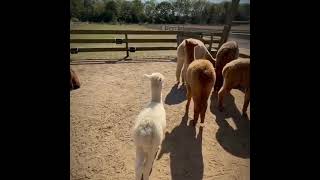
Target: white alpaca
x: 149, y: 129
x: 200, y: 52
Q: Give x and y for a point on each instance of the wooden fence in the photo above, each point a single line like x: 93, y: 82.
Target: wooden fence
x: 206, y: 37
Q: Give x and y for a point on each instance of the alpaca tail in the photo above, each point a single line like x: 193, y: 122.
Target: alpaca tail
x: 206, y: 75
x: 144, y: 134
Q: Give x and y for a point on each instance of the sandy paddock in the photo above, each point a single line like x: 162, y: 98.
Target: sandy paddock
x: 103, y: 112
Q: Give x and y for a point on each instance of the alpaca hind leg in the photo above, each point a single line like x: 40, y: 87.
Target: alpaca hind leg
x: 179, y: 67
x: 149, y: 162
x: 203, y: 111
x: 184, y: 72
x: 139, y: 163
x: 188, y: 98
x: 196, y: 112
x: 222, y: 92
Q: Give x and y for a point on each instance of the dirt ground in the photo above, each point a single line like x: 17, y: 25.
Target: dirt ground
x: 103, y: 112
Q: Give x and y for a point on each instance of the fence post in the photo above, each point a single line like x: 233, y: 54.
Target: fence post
x: 229, y: 18
x: 127, y: 46
x: 211, y: 39
x: 179, y: 38
x: 225, y: 35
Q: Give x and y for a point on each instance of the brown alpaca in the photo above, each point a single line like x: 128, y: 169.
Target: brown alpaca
x: 74, y: 80
x: 228, y: 51
x: 236, y: 73
x: 199, y: 81
x: 200, y: 78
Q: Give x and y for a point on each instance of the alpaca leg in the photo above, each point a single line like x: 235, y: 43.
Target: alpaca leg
x: 222, y: 92
x: 139, y: 163
x: 149, y: 162
x: 179, y: 67
x: 184, y: 72
x: 204, y: 102
x: 219, y: 81
x: 188, y: 98
x: 155, y: 156
x: 197, y: 107
x: 246, y: 101
x: 203, y: 111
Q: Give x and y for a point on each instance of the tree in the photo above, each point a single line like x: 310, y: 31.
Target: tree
x: 97, y: 12
x: 125, y: 14
x: 137, y: 12
x: 77, y: 8
x: 198, y: 14
x: 150, y: 10
x: 164, y: 12
x: 183, y: 10
x: 226, y: 9
x: 212, y: 13
x: 243, y: 13
x: 168, y: 11
x: 111, y: 12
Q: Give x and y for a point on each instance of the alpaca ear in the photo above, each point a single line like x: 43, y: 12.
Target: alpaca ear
x: 148, y: 76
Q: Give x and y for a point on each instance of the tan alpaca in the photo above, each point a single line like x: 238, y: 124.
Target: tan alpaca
x: 236, y: 73
x: 200, y: 52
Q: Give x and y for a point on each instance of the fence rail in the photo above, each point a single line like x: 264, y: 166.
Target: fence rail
x: 214, y: 37
x: 144, y: 32
x: 134, y: 41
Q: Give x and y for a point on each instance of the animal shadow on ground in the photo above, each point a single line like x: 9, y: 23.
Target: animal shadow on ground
x: 176, y: 95
x: 185, y: 150
x: 235, y: 141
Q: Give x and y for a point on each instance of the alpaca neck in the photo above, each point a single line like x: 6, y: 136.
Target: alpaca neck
x: 210, y: 58
x: 191, y: 55
x: 156, y: 95
x: 208, y: 54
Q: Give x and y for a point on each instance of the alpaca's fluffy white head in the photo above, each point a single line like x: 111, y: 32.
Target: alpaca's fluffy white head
x: 157, y: 79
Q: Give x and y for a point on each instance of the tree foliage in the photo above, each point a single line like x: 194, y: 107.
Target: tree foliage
x: 153, y: 11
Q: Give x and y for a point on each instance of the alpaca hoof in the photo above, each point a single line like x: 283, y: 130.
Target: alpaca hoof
x: 220, y: 108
